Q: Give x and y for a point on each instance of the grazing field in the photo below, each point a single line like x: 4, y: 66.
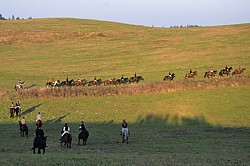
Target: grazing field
x: 183, y: 122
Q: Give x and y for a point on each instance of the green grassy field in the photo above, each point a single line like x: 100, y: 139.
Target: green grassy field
x: 203, y: 126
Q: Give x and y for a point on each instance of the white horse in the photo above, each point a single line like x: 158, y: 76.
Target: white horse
x: 20, y: 85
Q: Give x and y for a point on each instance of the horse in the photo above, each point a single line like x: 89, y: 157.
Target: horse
x: 168, y: 77
x: 210, y: 74
x: 125, y: 134
x: 122, y: 81
x: 12, y: 112
x: 139, y: 78
x: 24, y: 131
x: 189, y: 75
x: 95, y: 82
x: 224, y: 71
x: 39, y: 123
x: 239, y: 71
x: 67, y: 138
x: 108, y: 82
x: 17, y: 110
x: 53, y: 84
x: 84, y: 136
x: 19, y: 86
x: 40, y: 143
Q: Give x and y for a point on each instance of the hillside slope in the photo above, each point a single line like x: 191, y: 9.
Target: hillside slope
x: 37, y: 50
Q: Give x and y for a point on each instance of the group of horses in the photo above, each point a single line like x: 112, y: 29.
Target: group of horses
x: 84, y: 82
x: 40, y: 141
x: 224, y: 72
x: 207, y: 74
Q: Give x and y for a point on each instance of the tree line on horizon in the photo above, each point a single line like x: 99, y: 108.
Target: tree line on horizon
x: 11, y: 18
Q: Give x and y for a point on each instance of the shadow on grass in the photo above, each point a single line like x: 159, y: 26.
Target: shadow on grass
x: 30, y: 109
x: 33, y: 85
x: 154, y: 140
x: 56, y: 120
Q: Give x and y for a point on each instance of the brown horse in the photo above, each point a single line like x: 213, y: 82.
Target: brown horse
x: 109, y: 82
x: 93, y: 82
x: 132, y: 79
x: 210, y: 74
x: 12, y: 112
x: 239, y: 71
x: 67, y: 138
x: 189, y: 75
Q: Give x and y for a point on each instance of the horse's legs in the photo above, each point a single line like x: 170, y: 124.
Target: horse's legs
x: 78, y: 141
x: 34, y: 149
x: 43, y: 150
x: 39, y: 151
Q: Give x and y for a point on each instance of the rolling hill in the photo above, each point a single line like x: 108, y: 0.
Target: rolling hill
x: 203, y: 122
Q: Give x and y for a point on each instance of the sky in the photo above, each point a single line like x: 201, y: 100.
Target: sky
x: 159, y: 13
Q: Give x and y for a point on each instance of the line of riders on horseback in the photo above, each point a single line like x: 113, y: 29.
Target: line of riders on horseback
x: 210, y: 73
x: 95, y: 81
x: 66, y: 138
x: 134, y: 79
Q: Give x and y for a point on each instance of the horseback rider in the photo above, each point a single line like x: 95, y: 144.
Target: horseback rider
x: 12, y: 105
x: 239, y: 68
x: 226, y: 68
x: 82, y: 127
x: 22, y: 122
x: 21, y: 83
x: 67, y: 80
x: 53, y: 81
x: 95, y: 79
x: 191, y: 72
x: 79, y: 79
x: 124, y: 127
x: 65, y: 129
x: 169, y: 74
x: 38, y: 117
x: 18, y: 105
x: 211, y: 70
x: 135, y: 75
x: 39, y: 132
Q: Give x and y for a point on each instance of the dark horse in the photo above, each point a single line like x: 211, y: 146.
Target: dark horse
x: 24, y: 131
x: 224, y: 71
x: 168, y: 77
x: 39, y: 123
x: 17, y: 110
x: 40, y: 143
x: 84, y: 136
x: 135, y: 79
x: 210, y: 74
x: 67, y: 138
